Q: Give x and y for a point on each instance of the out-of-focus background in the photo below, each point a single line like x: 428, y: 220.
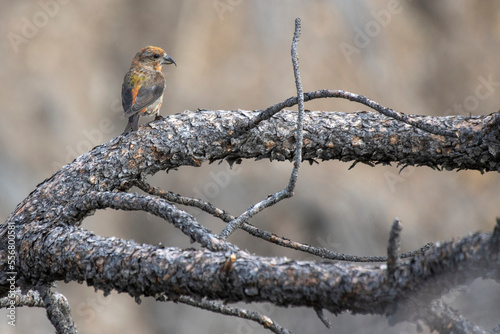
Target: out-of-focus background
x: 62, y: 65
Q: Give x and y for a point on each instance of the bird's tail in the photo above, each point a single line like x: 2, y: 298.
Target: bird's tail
x: 133, y: 124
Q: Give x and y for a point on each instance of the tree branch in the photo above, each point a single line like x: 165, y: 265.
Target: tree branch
x: 157, y: 206
x: 58, y: 311
x: 261, y: 319
x: 145, y: 270
x: 297, y: 160
x: 30, y: 299
x: 51, y: 249
x: 190, y: 138
x: 41, y: 241
x: 266, y: 235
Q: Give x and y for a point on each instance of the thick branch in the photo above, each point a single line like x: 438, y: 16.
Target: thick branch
x: 144, y: 270
x: 190, y: 138
x: 51, y: 248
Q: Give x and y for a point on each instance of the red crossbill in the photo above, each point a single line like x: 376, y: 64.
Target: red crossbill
x: 143, y: 85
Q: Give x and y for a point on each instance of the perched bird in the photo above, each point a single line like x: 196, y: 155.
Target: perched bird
x: 143, y: 85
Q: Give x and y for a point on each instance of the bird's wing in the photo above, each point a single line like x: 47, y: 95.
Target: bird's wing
x: 127, y: 97
x: 138, y: 98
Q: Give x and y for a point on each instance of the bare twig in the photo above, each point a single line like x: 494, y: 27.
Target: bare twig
x: 183, y: 200
x: 300, y: 118
x: 263, y: 234
x: 421, y: 250
x: 220, y: 308
x: 393, y: 248
x: 322, y: 317
x: 326, y: 93
x: 288, y: 191
x: 443, y: 318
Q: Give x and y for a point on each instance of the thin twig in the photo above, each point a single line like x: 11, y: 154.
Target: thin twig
x: 183, y: 200
x: 263, y: 234
x: 326, y: 93
x: 393, y: 247
x: 220, y: 308
x: 443, y: 317
x: 288, y: 191
x: 322, y: 317
x: 300, y: 118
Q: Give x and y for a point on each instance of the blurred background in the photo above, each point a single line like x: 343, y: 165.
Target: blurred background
x: 63, y: 63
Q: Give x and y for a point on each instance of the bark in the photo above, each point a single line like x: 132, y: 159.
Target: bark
x: 50, y: 246
x: 73, y: 254
x: 190, y: 138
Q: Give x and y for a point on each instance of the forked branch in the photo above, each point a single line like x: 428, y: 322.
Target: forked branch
x: 50, y: 246
x: 288, y: 191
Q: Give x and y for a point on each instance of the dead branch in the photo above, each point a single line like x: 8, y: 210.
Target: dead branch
x: 72, y: 254
x: 42, y: 242
x: 190, y: 138
x: 297, y: 160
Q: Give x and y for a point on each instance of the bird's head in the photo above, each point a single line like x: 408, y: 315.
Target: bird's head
x: 153, y: 57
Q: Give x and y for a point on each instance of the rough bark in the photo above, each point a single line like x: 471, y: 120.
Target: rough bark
x: 50, y: 246
x: 190, y: 138
x: 73, y: 254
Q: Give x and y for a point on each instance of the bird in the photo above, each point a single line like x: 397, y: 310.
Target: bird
x: 143, y: 85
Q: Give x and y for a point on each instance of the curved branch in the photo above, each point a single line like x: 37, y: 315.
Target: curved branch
x: 190, y: 138
x: 261, y: 319
x: 341, y: 94
x: 49, y: 251
x: 58, y: 311
x: 263, y: 234
x: 157, y: 206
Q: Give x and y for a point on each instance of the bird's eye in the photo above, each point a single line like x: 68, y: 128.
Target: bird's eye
x: 156, y: 55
